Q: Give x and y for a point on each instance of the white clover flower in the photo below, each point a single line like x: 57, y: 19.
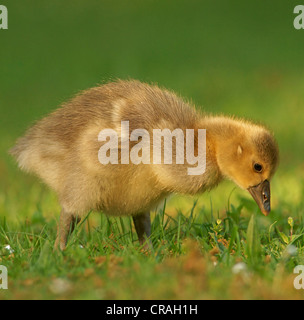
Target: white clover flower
x: 239, y: 267
x: 9, y: 248
x: 291, y: 250
x: 60, y: 286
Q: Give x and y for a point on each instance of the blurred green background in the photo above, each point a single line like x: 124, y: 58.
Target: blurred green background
x: 235, y: 57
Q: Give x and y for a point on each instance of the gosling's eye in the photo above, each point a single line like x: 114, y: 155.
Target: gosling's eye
x: 257, y: 167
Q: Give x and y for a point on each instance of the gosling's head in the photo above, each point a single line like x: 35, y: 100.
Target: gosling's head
x: 250, y: 158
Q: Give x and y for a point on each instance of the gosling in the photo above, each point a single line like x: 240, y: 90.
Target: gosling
x: 72, y: 153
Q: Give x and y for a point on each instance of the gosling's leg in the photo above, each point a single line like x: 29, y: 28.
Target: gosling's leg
x: 143, y: 229
x: 67, y: 223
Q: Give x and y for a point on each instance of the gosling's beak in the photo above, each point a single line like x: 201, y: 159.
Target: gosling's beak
x: 261, y: 194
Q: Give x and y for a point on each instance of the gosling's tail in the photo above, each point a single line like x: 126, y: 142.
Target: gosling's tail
x: 22, y: 152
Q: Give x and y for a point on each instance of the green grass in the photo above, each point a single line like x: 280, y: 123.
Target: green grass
x: 197, y: 254
x: 238, y: 58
